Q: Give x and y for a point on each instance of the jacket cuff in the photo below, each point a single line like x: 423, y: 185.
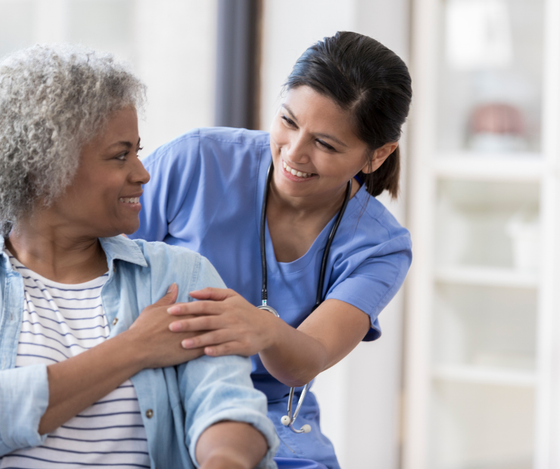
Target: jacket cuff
x: 24, y: 397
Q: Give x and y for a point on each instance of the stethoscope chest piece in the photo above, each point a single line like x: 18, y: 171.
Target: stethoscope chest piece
x: 269, y: 309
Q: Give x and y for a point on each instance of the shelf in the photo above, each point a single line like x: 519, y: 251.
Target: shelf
x: 528, y: 167
x: 487, y: 276
x: 484, y: 375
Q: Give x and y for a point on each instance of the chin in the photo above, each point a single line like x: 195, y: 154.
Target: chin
x: 129, y: 230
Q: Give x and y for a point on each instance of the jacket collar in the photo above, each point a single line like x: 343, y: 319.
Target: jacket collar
x: 119, y: 247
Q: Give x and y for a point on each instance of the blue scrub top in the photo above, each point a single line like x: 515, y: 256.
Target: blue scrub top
x: 206, y: 193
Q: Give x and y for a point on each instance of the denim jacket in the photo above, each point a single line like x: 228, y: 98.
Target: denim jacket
x: 177, y: 403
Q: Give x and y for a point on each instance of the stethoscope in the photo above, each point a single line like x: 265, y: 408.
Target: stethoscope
x: 290, y: 419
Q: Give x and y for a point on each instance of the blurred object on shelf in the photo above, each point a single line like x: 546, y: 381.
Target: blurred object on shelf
x: 478, y: 34
x: 501, y: 360
x: 497, y: 127
x: 524, y: 230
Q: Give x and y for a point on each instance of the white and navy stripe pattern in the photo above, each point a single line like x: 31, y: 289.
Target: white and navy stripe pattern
x: 60, y: 321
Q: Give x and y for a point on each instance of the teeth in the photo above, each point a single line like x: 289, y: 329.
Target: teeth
x: 129, y: 200
x: 294, y: 172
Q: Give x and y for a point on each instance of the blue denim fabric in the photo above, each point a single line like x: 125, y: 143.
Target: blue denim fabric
x: 184, y: 400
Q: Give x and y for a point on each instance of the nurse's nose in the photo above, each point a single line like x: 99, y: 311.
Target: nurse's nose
x: 298, y: 151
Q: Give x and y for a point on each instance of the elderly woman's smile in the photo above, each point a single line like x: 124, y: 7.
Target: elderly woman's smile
x: 103, y: 197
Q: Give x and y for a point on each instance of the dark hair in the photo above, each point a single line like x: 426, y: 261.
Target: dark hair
x: 364, y: 77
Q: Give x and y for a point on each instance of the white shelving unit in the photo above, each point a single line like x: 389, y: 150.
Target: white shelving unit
x: 482, y: 378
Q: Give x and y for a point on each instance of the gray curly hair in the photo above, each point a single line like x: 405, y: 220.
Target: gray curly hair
x: 53, y: 100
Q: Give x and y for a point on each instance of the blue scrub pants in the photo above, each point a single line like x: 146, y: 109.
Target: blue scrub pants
x: 300, y: 451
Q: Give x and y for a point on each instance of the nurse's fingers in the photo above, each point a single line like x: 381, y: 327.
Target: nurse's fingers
x: 229, y: 348
x: 226, y: 342
x: 204, y: 323
x: 211, y: 293
x: 196, y: 307
x: 214, y: 339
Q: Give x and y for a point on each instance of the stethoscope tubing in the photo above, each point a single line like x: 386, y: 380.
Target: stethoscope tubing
x: 290, y: 419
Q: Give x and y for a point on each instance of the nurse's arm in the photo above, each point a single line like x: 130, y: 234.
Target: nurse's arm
x: 293, y: 356
x: 331, y: 332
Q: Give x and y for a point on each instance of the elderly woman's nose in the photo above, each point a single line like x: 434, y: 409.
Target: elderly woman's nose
x: 140, y: 175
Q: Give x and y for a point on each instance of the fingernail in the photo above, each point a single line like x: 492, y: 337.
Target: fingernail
x: 172, y: 309
x: 173, y: 327
x: 187, y: 343
x: 170, y: 289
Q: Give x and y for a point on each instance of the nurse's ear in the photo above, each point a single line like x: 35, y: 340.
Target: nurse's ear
x: 379, y: 156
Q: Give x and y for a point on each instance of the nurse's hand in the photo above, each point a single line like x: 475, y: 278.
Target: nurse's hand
x: 231, y: 325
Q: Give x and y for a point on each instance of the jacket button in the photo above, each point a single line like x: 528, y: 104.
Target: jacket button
x: 115, y: 321
x: 149, y: 413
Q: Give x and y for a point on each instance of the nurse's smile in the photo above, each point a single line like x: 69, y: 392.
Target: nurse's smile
x: 294, y: 174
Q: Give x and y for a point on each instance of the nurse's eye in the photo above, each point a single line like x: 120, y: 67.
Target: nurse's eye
x: 325, y: 145
x: 289, y: 122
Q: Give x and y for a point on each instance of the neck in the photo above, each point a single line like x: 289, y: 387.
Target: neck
x: 56, y: 253
x: 294, y: 224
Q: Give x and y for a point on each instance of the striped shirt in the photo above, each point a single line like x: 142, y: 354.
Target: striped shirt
x: 60, y: 321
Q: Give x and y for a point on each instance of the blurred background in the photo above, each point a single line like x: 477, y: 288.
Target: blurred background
x: 466, y: 374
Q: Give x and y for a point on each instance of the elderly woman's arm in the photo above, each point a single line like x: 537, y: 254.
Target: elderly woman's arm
x: 220, y: 400
x: 230, y: 445
x: 78, y: 382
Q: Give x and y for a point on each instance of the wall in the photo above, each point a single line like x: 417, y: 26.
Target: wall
x: 359, y: 397
x: 169, y: 43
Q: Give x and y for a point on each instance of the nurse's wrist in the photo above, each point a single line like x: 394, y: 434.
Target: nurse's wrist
x: 274, y: 333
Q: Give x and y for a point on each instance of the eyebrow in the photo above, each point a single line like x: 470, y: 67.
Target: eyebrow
x: 326, y: 136
x: 123, y: 143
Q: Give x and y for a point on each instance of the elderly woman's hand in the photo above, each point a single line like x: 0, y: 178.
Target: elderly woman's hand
x: 156, y: 345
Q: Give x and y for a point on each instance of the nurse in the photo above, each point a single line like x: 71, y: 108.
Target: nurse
x: 335, y: 137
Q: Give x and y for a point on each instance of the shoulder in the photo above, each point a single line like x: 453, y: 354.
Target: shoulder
x: 179, y: 264
x: 233, y: 136
x: 159, y: 252
x: 211, y: 140
x: 161, y: 264
x: 380, y: 225
x: 219, y: 154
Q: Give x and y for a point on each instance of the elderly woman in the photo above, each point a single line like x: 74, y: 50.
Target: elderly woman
x: 90, y: 373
